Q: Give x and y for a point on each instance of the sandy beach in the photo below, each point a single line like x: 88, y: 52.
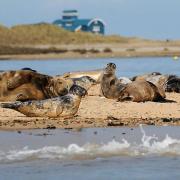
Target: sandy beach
x: 99, y: 51
x: 96, y: 111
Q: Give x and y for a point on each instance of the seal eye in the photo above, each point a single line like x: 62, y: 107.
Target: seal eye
x: 112, y: 65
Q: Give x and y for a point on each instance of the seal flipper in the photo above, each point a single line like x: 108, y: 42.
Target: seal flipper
x: 124, y: 96
x: 160, y: 93
x: 15, y: 105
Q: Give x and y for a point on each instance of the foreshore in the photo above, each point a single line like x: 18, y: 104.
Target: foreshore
x: 117, y: 50
x: 96, y: 111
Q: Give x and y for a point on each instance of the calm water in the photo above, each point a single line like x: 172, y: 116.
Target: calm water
x: 125, y: 66
x: 120, y: 153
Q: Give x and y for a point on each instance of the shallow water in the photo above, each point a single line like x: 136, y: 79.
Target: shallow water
x: 106, y: 153
x: 125, y: 66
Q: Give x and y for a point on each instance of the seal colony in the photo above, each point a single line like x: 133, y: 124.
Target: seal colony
x: 61, y: 95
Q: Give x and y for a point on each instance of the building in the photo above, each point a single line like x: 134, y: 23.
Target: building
x: 71, y: 22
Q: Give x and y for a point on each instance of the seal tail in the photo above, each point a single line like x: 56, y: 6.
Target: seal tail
x: 10, y: 105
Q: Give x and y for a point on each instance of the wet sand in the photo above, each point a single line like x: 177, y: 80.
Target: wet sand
x: 96, y: 111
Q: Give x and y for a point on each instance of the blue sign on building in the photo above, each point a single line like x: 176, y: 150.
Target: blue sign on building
x: 71, y: 22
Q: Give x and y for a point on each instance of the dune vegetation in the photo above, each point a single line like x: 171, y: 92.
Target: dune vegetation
x: 43, y: 39
x: 51, y: 34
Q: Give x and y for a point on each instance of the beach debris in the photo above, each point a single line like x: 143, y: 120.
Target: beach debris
x: 112, y: 118
x: 49, y: 126
x: 115, y: 123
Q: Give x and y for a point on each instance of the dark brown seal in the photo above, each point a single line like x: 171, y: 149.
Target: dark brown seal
x: 28, y: 85
x: 64, y: 106
x: 140, y: 91
x: 137, y: 91
x: 110, y: 85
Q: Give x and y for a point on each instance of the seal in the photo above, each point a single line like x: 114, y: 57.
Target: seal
x: 167, y: 83
x: 22, y: 85
x: 29, y: 69
x: 144, y: 76
x: 64, y: 106
x: 173, y: 84
x: 94, y: 74
x: 110, y: 84
x: 85, y: 81
x: 137, y: 91
x: 141, y: 91
x: 124, y: 80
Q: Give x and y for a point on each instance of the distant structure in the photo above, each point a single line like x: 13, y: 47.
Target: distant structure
x: 71, y: 22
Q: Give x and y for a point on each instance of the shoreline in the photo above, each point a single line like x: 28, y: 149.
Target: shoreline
x: 92, y: 51
x: 118, y: 123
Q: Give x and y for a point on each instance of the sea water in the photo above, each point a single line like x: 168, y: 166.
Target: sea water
x: 145, y: 152
x: 127, y: 67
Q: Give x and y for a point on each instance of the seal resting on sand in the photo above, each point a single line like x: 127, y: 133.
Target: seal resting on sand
x: 64, y: 106
x: 173, y: 84
x: 140, y: 91
x: 94, y: 74
x: 169, y: 83
x: 85, y: 81
x: 24, y: 85
x: 137, y: 91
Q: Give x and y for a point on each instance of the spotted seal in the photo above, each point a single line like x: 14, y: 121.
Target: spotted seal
x: 64, y: 106
x: 85, y: 81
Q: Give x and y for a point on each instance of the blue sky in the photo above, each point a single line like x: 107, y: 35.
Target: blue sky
x: 158, y: 19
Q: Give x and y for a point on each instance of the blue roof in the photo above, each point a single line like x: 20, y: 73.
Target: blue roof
x: 75, y: 23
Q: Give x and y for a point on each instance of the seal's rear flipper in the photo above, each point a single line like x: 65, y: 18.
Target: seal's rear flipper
x: 125, y: 97
x: 10, y: 105
x: 7, y: 105
x: 166, y: 101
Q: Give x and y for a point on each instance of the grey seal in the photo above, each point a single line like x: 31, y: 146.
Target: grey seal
x: 137, y: 91
x: 24, y: 85
x: 64, y: 106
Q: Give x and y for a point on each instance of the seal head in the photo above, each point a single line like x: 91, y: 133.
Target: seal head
x: 110, y: 68
x: 78, y: 90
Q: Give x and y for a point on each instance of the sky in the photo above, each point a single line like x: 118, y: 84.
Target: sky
x: 155, y: 19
